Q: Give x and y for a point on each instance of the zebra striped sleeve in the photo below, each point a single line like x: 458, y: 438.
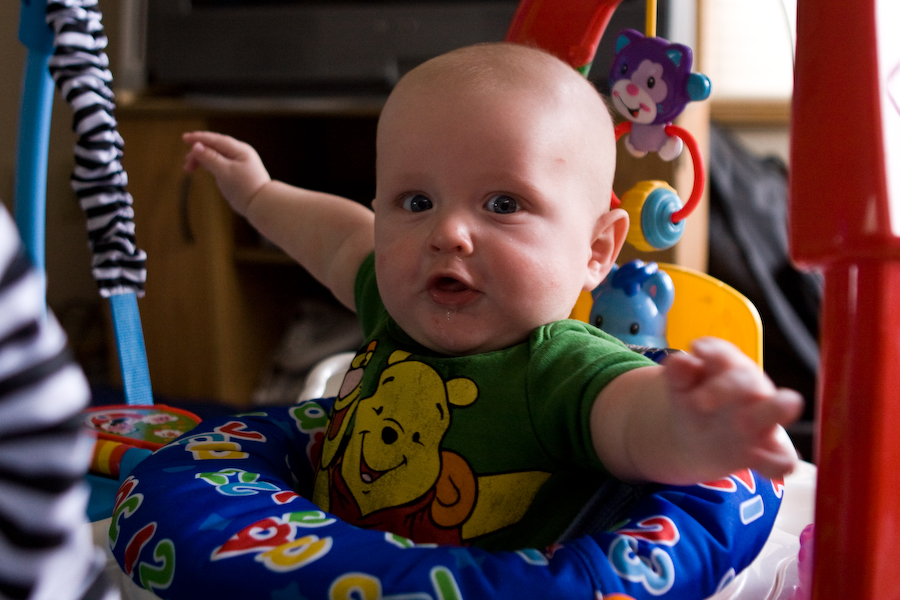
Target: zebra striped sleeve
x: 80, y: 68
x: 46, y: 549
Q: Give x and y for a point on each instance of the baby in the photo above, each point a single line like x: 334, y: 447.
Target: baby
x: 477, y: 412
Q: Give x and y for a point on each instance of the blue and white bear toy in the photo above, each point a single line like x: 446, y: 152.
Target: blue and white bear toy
x: 632, y: 304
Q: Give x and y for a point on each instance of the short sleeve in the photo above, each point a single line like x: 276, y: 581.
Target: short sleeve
x: 571, y: 362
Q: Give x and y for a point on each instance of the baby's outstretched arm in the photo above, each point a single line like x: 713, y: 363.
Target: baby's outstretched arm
x: 699, y: 417
x: 329, y: 235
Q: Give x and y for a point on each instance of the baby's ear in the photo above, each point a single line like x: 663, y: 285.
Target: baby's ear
x: 606, y: 243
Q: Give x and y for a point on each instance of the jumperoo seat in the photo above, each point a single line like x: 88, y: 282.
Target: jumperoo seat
x: 705, y: 306
x: 224, y: 499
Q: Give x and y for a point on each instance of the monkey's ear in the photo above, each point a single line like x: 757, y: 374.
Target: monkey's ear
x: 626, y: 36
x: 698, y: 87
x: 675, y: 55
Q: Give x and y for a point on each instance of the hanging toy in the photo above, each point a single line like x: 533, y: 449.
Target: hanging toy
x: 632, y: 304
x: 650, y: 83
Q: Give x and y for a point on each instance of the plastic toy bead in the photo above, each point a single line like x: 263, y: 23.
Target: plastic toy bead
x: 652, y: 204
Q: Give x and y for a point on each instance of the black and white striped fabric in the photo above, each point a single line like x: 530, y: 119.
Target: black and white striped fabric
x: 80, y: 68
x: 46, y: 547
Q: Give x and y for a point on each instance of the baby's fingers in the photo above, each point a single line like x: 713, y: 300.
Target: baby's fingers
x: 772, y: 454
x: 781, y: 408
x: 719, y: 355
x: 192, y: 160
x: 222, y: 144
x: 236, y: 167
x: 775, y: 456
x: 202, y: 155
x: 683, y: 371
x: 774, y: 464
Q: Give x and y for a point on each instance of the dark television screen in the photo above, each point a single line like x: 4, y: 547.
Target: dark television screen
x: 288, y: 47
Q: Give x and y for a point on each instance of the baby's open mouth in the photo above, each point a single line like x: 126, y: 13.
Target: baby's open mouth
x: 449, y: 284
x: 450, y: 291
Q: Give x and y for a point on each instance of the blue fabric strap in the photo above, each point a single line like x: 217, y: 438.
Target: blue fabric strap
x: 132, y: 353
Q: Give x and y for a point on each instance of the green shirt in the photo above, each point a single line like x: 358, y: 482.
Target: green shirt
x: 491, y: 449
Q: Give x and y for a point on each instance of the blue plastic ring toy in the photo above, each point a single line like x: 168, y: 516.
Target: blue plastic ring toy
x: 656, y: 219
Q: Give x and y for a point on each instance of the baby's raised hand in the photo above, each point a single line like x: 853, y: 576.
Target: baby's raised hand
x: 237, y: 168
x: 727, y: 411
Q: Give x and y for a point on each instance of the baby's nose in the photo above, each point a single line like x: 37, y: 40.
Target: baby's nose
x: 451, y: 234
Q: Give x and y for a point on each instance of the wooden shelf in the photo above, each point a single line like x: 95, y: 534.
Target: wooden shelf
x: 776, y: 112
x: 253, y: 106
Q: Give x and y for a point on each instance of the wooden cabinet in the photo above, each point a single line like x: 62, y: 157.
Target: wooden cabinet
x: 202, y: 338
x: 218, y: 297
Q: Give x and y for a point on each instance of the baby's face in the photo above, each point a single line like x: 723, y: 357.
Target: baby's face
x: 484, y: 217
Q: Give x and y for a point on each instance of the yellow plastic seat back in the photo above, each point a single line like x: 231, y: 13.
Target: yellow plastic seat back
x: 704, y: 306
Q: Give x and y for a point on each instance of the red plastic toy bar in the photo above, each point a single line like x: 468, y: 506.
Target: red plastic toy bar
x: 845, y: 219
x: 570, y: 30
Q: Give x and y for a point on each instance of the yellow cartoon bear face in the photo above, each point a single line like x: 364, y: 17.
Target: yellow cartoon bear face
x: 393, y: 456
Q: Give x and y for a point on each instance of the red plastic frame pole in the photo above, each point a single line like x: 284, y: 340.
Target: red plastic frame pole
x: 845, y: 219
x: 857, y: 535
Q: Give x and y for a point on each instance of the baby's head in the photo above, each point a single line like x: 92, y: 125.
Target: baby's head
x: 494, y: 172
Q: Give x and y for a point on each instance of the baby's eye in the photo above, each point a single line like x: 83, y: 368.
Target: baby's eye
x: 501, y: 204
x: 416, y: 203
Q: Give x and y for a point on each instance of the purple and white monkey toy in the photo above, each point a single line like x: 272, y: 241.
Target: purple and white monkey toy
x: 650, y: 84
